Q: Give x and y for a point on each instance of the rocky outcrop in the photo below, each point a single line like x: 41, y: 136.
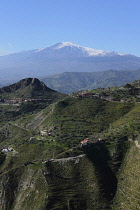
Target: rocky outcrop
x: 8, y: 188
x: 34, y: 83
x: 67, y: 183
x: 23, y: 188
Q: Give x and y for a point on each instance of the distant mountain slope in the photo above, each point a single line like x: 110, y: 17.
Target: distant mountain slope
x: 29, y: 87
x: 69, y: 82
x: 62, y: 57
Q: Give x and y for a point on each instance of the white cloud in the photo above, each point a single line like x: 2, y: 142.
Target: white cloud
x: 10, y: 45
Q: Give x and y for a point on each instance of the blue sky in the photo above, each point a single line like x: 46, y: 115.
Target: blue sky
x: 112, y: 25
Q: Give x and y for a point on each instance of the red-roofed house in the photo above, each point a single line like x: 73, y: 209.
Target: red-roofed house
x: 85, y: 142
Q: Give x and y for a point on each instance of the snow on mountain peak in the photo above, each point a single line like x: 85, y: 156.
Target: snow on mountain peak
x: 81, y: 51
x: 39, y: 49
x: 85, y: 50
x: 64, y: 44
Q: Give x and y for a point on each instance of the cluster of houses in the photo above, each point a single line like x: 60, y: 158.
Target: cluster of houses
x: 106, y: 98
x: 118, y: 94
x: 88, y: 95
x: 94, y: 96
x: 88, y: 141
x: 21, y: 100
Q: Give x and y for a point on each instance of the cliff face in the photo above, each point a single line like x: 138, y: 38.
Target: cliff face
x: 9, y: 185
x: 73, y: 184
x: 83, y: 182
x: 23, y: 188
x: 67, y: 183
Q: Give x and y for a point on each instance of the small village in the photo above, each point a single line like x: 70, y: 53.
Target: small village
x: 120, y: 94
x: 18, y: 101
x: 94, y: 96
x: 83, y: 143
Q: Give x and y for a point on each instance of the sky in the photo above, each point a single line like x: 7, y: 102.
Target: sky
x: 112, y: 25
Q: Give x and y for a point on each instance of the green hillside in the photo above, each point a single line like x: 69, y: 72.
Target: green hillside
x: 41, y: 155
x: 69, y: 82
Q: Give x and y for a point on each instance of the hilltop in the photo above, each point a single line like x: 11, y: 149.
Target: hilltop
x: 29, y: 87
x: 33, y: 83
x: 27, y: 95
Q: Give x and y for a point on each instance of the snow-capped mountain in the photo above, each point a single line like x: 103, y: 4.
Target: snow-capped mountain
x: 62, y: 57
x: 70, y: 49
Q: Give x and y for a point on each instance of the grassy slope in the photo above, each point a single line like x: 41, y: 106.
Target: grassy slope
x: 74, y: 119
x: 128, y: 192
x: 128, y: 125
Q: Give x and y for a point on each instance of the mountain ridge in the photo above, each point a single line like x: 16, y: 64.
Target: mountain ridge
x: 87, y: 51
x: 69, y: 82
x: 62, y: 57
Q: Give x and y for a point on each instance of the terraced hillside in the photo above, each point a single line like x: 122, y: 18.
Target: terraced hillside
x: 43, y: 166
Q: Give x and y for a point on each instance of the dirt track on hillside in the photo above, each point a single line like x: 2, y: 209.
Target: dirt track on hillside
x: 36, y: 123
